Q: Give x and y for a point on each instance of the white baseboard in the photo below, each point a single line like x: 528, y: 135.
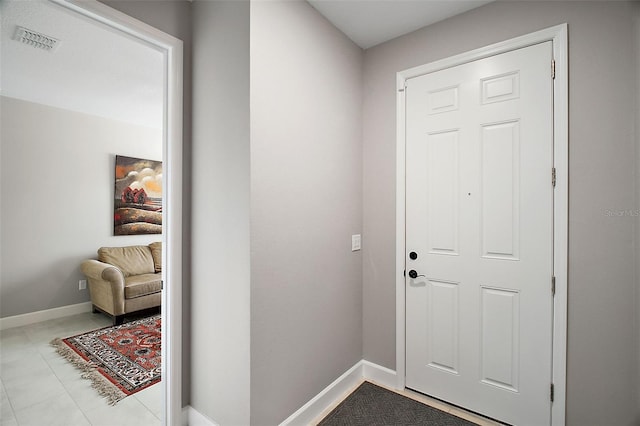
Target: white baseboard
x: 46, y: 315
x: 192, y: 417
x: 322, y: 402
x: 336, y: 391
x: 378, y: 374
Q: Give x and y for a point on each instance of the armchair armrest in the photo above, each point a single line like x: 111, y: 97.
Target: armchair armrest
x: 106, y: 285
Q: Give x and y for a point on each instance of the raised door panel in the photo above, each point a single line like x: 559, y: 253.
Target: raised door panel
x: 443, y: 210
x: 500, y: 180
x: 500, y: 319
x: 443, y: 325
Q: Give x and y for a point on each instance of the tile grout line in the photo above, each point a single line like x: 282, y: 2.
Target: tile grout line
x: 13, y: 411
x: 64, y: 385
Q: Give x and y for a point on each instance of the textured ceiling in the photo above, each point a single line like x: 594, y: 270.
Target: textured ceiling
x: 371, y: 22
x: 94, y: 69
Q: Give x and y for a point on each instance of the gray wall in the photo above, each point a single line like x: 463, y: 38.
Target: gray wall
x: 306, y: 189
x: 636, y: 19
x: 58, y: 210
x: 220, y: 262
x: 603, y: 323
x: 174, y: 18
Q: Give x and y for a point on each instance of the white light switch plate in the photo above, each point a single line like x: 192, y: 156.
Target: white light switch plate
x: 356, y: 242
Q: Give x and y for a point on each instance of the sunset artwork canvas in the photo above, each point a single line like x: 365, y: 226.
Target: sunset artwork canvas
x: 138, y: 196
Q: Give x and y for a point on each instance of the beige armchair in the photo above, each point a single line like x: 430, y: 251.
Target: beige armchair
x: 124, y: 280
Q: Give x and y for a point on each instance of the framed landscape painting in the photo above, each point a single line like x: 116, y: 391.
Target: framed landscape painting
x: 138, y: 196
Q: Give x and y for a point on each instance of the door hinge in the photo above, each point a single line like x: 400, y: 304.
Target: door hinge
x: 553, y: 286
x: 553, y: 177
x: 551, y: 394
x: 553, y: 69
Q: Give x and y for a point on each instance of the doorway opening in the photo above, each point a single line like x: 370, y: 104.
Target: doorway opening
x: 171, y: 50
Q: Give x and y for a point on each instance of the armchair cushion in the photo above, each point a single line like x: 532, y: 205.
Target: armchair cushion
x: 142, y: 285
x: 156, y: 253
x: 131, y: 260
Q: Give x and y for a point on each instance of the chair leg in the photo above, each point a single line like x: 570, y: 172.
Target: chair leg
x: 118, y: 319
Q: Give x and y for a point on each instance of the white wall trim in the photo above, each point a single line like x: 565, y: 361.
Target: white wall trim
x: 558, y: 35
x: 172, y: 50
x: 560, y: 221
x: 401, y: 176
x: 378, y: 374
x: 333, y: 394
x: 45, y: 315
x: 328, y: 396
x: 192, y: 417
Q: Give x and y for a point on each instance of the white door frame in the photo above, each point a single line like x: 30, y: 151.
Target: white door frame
x: 171, y: 48
x: 558, y: 35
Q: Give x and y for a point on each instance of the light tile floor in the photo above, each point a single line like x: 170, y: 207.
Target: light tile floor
x: 38, y: 387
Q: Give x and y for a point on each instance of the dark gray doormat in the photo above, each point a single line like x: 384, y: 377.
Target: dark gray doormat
x: 372, y: 405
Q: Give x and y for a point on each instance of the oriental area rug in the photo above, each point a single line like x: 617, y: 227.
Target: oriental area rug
x: 119, y: 360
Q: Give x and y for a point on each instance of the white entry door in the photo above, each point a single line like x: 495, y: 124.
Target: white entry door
x: 479, y: 235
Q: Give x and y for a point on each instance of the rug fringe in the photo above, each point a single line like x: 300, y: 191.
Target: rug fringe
x: 89, y: 370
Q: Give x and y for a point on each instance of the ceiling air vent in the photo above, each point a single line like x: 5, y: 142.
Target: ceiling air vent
x: 36, y: 39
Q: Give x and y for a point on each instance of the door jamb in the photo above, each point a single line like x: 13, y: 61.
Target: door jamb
x: 172, y: 50
x: 558, y: 35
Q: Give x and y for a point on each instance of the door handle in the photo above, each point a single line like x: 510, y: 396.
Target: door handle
x: 414, y: 274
